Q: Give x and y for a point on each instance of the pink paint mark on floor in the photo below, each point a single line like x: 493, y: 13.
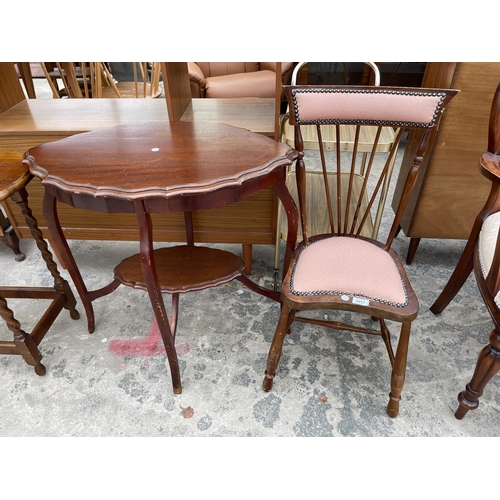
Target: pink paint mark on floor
x: 152, y: 345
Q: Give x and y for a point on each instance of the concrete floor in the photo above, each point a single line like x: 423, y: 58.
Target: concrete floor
x: 96, y: 386
x: 328, y: 383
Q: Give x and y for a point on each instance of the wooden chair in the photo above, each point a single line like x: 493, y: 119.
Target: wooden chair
x: 343, y: 270
x: 318, y: 224
x: 14, y: 177
x: 482, y: 254
x: 78, y: 79
x: 145, y: 82
x: 94, y: 80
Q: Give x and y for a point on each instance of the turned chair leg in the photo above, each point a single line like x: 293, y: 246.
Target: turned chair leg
x: 276, y: 346
x: 9, y: 237
x: 12, y: 241
x: 488, y: 364
x: 399, y: 370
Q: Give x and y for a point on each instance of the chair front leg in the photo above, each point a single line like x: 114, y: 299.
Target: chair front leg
x: 488, y: 364
x: 274, y: 356
x: 399, y: 370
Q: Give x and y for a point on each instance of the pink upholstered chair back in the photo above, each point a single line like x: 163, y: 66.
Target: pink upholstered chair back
x: 367, y: 105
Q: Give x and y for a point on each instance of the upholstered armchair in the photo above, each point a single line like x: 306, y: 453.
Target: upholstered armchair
x: 236, y: 79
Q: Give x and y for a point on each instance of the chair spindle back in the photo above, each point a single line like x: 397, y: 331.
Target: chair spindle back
x: 357, y: 185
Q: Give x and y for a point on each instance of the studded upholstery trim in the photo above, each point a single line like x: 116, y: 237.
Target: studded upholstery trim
x: 360, y: 111
x: 343, y: 292
x: 487, y: 246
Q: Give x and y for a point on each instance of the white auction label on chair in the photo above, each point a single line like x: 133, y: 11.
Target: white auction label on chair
x: 360, y: 301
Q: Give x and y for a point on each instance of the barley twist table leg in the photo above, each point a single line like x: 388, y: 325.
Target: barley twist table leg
x: 60, y: 284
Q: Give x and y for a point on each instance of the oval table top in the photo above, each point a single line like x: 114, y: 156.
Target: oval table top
x: 157, y: 160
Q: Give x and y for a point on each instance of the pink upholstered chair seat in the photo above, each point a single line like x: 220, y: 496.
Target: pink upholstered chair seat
x: 351, y: 267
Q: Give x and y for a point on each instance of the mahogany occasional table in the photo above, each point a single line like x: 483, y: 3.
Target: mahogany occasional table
x: 161, y: 168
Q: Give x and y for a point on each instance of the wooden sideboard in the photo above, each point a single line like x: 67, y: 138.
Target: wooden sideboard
x: 33, y: 122
x: 451, y: 192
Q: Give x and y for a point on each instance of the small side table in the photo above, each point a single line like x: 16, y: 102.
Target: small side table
x: 14, y: 176
x: 152, y: 168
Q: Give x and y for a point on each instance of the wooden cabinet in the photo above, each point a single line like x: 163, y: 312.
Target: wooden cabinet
x: 451, y: 192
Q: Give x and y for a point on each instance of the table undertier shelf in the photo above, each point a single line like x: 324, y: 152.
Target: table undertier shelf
x: 183, y: 268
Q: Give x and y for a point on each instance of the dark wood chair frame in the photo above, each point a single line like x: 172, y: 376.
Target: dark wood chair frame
x: 488, y: 362
x: 293, y: 302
